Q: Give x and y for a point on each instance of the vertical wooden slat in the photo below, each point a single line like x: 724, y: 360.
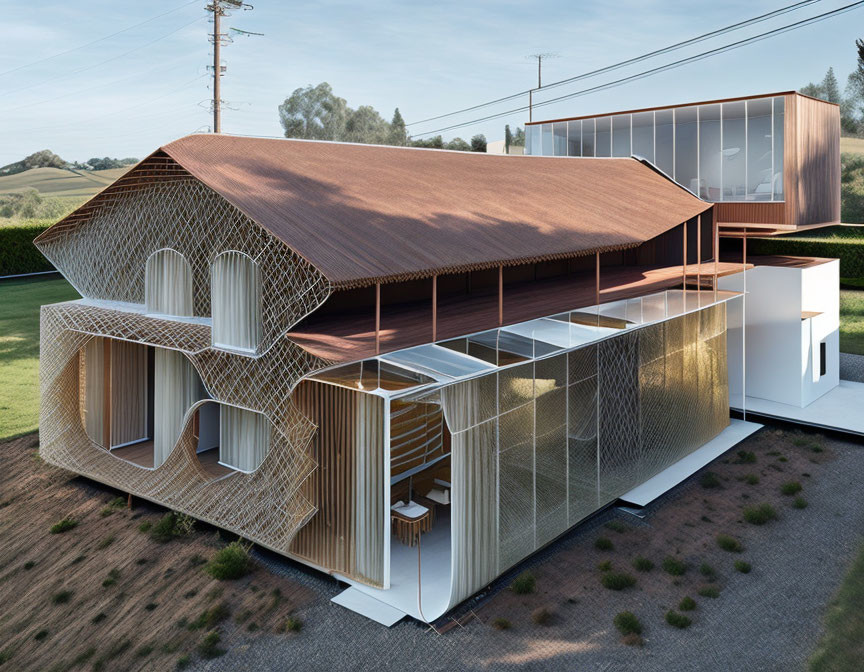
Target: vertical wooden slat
x: 500, y: 295
x: 684, y: 267
x: 434, y: 307
x: 597, y: 278
x: 106, y: 392
x: 377, y: 317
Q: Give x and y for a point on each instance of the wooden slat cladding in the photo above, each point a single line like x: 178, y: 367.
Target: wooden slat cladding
x: 327, y: 539
x: 756, y: 213
x: 415, y: 435
x: 346, y: 533
x: 818, y: 162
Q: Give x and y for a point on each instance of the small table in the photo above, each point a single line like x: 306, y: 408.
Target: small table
x: 409, y: 521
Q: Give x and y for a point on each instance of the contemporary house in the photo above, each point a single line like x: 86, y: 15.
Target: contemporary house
x: 413, y: 368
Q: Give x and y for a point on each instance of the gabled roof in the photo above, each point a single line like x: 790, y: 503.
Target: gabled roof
x: 365, y: 213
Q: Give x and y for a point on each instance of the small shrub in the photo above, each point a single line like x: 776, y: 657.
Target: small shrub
x: 166, y: 529
x: 616, y: 526
x: 63, y: 526
x: 603, y: 544
x: 210, y: 618
x: 5, y: 655
x: 790, y: 488
x: 687, y: 604
x: 745, y: 457
x: 150, y: 606
x: 674, y: 566
x: 524, y: 583
x: 84, y: 656
x: 196, y: 560
x: 141, y: 561
x: 729, y: 543
x: 710, y: 480
x: 642, y: 564
x: 759, y: 515
x: 145, y: 526
x: 252, y: 627
x: 293, y: 624
x: 542, y: 616
x: 189, y: 594
x: 605, y: 566
x: 800, y: 503
x: 709, y: 591
x: 208, y: 648
x: 751, y: 479
x: 677, y: 620
x: 80, y: 558
x: 501, y: 624
x: 39, y: 636
x: 144, y: 651
x: 183, y: 662
x: 112, y: 577
x: 229, y: 563
x: 783, y: 459
x: 617, y: 581
x: 743, y: 567
x: 627, y: 623
x: 816, y: 448
x: 632, y: 640
x: 105, y: 543
x: 98, y: 618
x: 62, y: 597
x: 30, y: 564
x: 707, y: 571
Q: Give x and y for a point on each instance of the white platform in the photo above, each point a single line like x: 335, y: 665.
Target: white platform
x: 842, y: 409
x: 735, y: 433
x: 369, y: 607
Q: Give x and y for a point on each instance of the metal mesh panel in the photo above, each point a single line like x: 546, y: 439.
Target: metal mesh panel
x: 582, y: 448
x: 551, y: 462
x: 105, y: 258
x: 516, y: 485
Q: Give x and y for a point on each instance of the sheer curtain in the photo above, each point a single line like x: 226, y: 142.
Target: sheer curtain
x: 177, y: 387
x: 93, y: 389
x: 168, y: 284
x: 369, y: 487
x: 244, y: 438
x: 128, y: 392
x: 236, y: 301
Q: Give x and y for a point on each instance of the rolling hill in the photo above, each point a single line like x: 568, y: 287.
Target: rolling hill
x: 59, y: 182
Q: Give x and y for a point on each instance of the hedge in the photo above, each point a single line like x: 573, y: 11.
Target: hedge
x: 849, y: 251
x: 18, y: 254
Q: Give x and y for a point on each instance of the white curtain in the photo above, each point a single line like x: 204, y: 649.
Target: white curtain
x: 93, y: 389
x: 176, y: 387
x: 168, y: 284
x: 369, y: 487
x: 236, y: 301
x: 244, y: 438
x: 128, y: 392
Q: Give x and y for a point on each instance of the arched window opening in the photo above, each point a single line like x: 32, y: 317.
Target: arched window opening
x: 177, y: 387
x: 168, y: 284
x: 244, y: 438
x: 236, y: 302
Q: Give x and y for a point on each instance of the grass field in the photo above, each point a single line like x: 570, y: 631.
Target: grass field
x: 59, y: 183
x: 852, y: 321
x: 851, y: 145
x: 19, y: 348
x: 842, y: 647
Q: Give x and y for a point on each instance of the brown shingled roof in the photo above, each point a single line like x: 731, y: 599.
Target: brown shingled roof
x: 367, y: 213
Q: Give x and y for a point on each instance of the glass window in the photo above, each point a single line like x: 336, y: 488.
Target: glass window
x: 686, y: 150
x: 559, y: 131
x: 621, y: 135
x: 734, y: 152
x: 759, y: 150
x: 235, y: 301
x: 532, y: 140
x: 548, y: 148
x: 588, y: 137
x: 779, y: 105
x: 643, y: 135
x: 574, y: 138
x: 664, y: 145
x: 710, y: 187
x: 168, y: 284
x: 603, y: 146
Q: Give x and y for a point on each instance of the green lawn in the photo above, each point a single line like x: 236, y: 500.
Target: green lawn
x: 852, y: 321
x: 842, y: 647
x: 19, y: 348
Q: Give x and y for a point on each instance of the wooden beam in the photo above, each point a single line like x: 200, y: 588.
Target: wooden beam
x: 434, y: 308
x: 500, y: 295
x: 377, y: 318
x: 597, y: 278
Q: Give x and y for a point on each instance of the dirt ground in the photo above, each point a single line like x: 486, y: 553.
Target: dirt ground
x: 105, y: 595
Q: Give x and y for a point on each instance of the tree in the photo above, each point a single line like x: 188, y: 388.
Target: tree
x: 458, y: 144
x: 365, y: 125
x: 314, y: 113
x: 508, y: 138
x: 478, y: 143
x: 42, y: 159
x: 436, y: 142
x: 519, y: 137
x: 812, y: 90
x: 830, y: 88
x: 398, y: 133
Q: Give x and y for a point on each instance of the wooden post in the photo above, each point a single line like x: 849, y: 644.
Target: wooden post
x: 377, y: 318
x: 684, y: 267
x: 597, y: 278
x: 129, y: 501
x: 434, y: 308
x: 744, y: 247
x: 106, y: 392
x: 699, y: 256
x: 716, y: 245
x: 500, y: 295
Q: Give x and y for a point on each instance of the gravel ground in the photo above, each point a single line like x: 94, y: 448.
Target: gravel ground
x: 851, y: 367
x: 769, y: 620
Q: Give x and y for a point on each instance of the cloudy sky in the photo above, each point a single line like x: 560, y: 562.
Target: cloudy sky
x: 83, y: 79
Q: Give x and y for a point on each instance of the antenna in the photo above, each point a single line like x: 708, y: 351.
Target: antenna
x: 221, y: 8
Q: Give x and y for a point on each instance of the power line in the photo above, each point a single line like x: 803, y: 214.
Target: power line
x: 675, y: 64
x: 631, y: 61
x: 107, y: 60
x: 101, y: 39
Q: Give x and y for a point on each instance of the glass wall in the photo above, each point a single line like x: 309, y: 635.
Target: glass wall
x: 721, y: 152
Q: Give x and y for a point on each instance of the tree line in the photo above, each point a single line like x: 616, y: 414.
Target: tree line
x: 851, y: 100
x: 48, y: 159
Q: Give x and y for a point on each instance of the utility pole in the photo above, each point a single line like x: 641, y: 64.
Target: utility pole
x: 218, y: 7
x: 539, y: 58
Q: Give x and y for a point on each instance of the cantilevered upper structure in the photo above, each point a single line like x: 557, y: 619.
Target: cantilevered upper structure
x: 346, y: 353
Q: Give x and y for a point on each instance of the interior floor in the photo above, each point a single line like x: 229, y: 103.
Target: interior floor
x: 142, y: 455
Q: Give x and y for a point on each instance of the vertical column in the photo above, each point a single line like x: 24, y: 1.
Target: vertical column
x: 106, y: 393
x: 377, y: 317
x: 434, y: 308
x: 716, y: 252
x: 699, y: 257
x: 500, y: 295
x: 597, y: 280
x: 684, y: 267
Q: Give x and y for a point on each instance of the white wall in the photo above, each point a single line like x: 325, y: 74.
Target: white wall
x: 820, y: 294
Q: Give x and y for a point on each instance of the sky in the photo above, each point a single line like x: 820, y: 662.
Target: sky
x: 83, y: 80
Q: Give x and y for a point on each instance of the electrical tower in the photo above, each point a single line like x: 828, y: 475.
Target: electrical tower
x: 220, y: 8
